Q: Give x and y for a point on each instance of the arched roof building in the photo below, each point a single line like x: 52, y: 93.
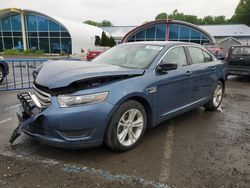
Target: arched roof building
x: 29, y: 29
x: 172, y: 30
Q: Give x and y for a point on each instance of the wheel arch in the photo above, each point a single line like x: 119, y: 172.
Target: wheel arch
x: 223, y: 82
x: 142, y: 100
x: 146, y: 106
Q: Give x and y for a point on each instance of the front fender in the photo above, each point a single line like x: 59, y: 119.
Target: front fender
x: 147, y: 100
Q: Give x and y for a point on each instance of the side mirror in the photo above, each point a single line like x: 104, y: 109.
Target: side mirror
x: 164, y: 68
x: 221, y: 58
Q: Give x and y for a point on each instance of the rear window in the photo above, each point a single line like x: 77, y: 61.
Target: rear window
x: 241, y: 50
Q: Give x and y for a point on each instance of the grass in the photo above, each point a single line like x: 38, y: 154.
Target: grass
x: 23, y: 52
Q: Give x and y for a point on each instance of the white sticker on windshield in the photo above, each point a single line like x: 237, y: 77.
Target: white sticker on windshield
x: 154, y: 47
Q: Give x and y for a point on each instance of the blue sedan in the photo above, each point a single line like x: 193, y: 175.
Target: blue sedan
x: 114, y: 98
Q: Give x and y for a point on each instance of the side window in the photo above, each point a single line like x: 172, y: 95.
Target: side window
x: 208, y: 57
x: 176, y: 55
x: 196, y: 55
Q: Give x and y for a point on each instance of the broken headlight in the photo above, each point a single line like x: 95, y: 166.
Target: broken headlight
x: 70, y: 100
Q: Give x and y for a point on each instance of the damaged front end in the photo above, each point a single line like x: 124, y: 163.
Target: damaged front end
x: 33, y: 105
x: 29, y: 109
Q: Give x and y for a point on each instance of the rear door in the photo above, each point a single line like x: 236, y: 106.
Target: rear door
x: 240, y: 56
x: 203, y: 73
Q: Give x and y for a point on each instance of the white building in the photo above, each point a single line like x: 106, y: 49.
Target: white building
x: 30, y: 29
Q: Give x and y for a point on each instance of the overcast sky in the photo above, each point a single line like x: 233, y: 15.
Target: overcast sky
x: 123, y: 12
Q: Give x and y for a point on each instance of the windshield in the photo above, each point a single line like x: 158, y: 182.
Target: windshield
x: 135, y: 56
x: 241, y: 51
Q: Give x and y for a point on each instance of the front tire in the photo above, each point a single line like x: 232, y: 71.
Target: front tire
x: 216, y: 98
x: 126, y: 126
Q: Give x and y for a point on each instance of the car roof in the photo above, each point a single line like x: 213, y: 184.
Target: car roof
x: 163, y: 43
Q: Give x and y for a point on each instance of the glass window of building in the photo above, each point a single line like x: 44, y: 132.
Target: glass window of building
x: 153, y: 33
x: 195, y: 36
x: 8, y: 43
x: 132, y: 39
x: 18, y: 42
x: 140, y: 36
x: 44, y: 44
x: 33, y: 43
x: 42, y: 23
x: 16, y: 23
x: 49, y: 36
x: 31, y: 23
x: 150, y: 33
x: 11, y: 32
x: 184, y: 34
x: 55, y: 45
x: 42, y: 34
x: 6, y: 24
x: 174, y: 32
x: 204, y: 39
x: 170, y: 31
x: 161, y: 32
x: 53, y: 26
x: 66, y: 45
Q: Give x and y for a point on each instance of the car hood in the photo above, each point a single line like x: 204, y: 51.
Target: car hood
x: 60, y: 73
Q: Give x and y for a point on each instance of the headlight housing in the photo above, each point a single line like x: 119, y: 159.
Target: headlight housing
x: 70, y: 100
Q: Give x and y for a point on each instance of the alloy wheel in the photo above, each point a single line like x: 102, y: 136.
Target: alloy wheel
x: 130, y: 127
x: 218, y: 94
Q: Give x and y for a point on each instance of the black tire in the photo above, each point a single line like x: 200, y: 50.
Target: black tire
x: 2, y: 73
x: 111, y: 135
x: 211, y: 105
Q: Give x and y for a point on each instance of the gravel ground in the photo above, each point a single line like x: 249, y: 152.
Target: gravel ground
x: 196, y: 149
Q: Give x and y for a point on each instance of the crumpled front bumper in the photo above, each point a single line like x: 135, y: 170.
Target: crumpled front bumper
x: 76, y: 127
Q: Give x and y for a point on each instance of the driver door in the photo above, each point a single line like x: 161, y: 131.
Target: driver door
x: 173, y: 86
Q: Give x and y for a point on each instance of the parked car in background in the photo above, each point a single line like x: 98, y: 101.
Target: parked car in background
x: 216, y: 51
x: 4, y: 69
x: 114, y: 98
x: 238, y: 59
x: 93, y: 53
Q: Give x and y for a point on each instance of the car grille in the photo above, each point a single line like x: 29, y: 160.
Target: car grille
x: 43, y: 97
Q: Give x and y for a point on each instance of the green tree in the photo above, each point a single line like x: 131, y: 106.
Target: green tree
x: 208, y: 20
x: 111, y: 41
x: 220, y: 20
x: 106, y: 40
x: 104, y: 23
x: 90, y: 22
x: 162, y: 15
x: 175, y: 15
x: 242, y: 13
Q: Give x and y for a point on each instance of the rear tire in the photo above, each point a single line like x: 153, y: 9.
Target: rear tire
x: 126, y: 127
x: 216, y: 98
x: 1, y: 74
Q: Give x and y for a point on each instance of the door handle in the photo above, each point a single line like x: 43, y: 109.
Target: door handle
x: 188, y: 73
